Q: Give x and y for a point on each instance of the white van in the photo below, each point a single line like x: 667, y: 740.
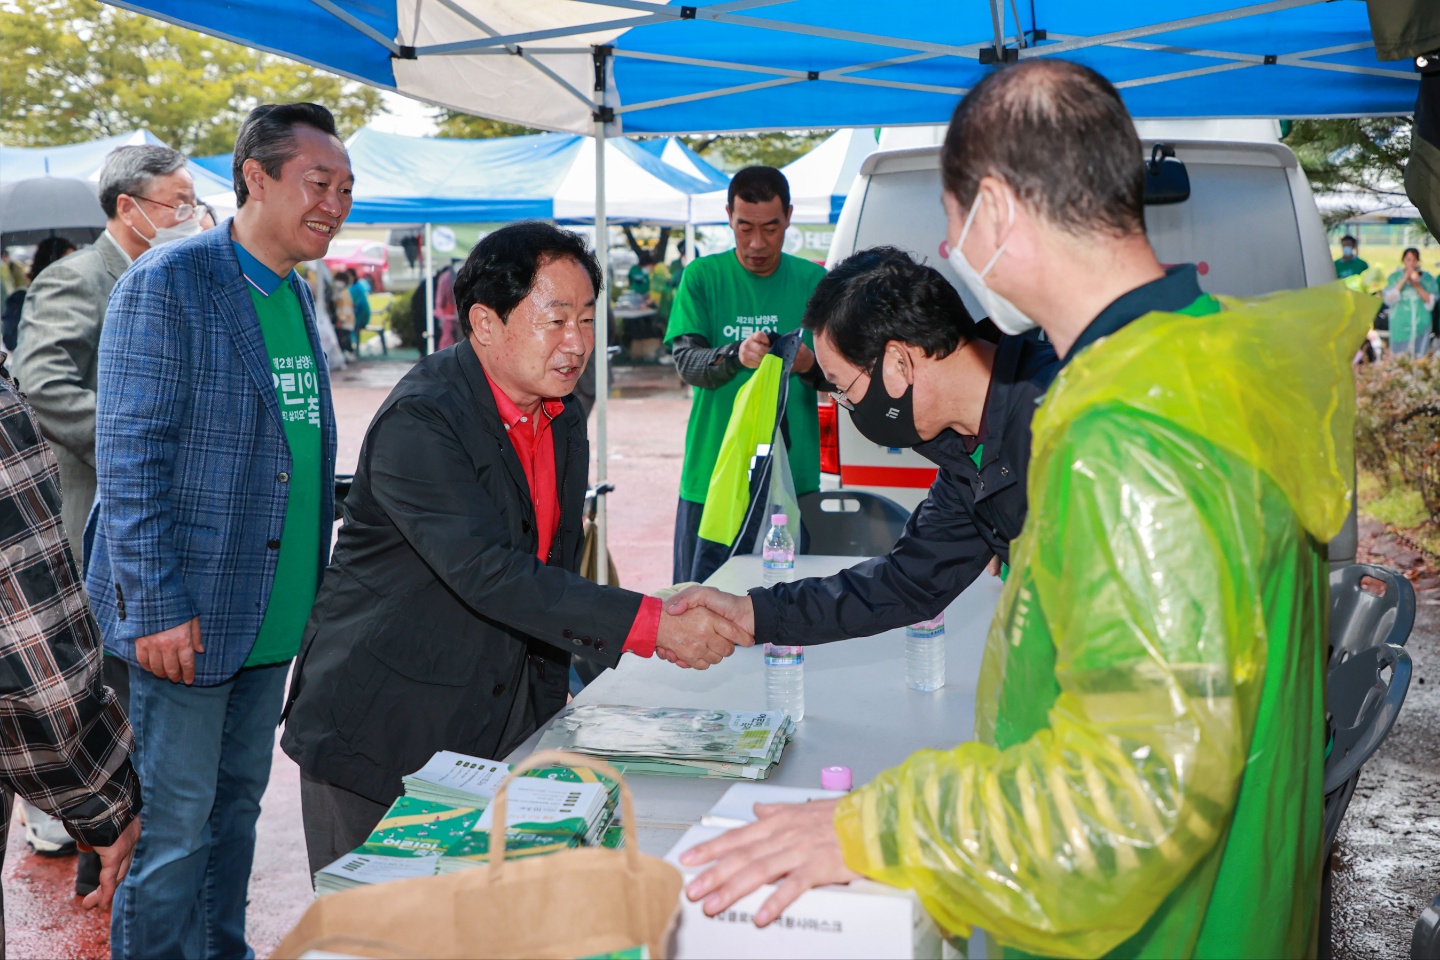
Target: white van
x: 1250, y: 225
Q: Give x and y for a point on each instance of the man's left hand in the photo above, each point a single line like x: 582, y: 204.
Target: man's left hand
x: 804, y: 359
x: 793, y: 844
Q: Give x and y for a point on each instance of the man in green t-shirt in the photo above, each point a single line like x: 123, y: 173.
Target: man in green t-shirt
x: 728, y: 306
x: 215, y: 455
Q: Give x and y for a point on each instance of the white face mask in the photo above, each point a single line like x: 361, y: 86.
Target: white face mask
x: 164, y: 235
x: 1004, y: 314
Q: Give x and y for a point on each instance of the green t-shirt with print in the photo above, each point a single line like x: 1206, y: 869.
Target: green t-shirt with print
x: 723, y: 302
x: 297, y: 388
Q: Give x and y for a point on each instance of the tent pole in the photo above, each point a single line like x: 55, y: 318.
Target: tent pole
x: 689, y: 243
x: 602, y: 355
x: 429, y: 294
x: 997, y: 19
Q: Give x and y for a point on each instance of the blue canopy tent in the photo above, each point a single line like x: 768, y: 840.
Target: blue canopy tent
x: 82, y: 161
x: 412, y: 180
x: 424, y: 180
x: 218, y: 164
x: 618, y: 67
x: 403, y: 180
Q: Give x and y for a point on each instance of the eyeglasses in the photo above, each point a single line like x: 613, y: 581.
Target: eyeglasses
x: 839, y: 395
x: 183, y: 211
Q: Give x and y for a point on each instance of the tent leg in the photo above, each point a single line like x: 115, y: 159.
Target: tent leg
x: 429, y: 294
x: 689, y: 242
x: 602, y: 354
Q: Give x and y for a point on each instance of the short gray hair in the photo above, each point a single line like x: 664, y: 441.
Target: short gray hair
x: 131, y: 170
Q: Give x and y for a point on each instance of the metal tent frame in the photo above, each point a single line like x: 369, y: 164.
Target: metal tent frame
x: 1001, y: 47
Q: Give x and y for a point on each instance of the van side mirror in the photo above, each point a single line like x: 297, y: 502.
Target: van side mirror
x: 1166, y: 179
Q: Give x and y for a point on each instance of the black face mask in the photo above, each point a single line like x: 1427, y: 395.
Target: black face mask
x: 880, y: 418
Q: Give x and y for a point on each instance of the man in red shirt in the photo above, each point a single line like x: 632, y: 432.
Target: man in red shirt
x: 453, y: 602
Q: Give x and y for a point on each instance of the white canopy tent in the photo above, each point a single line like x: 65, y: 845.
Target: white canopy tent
x: 819, y: 180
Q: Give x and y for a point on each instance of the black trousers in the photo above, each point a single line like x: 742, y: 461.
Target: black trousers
x: 336, y: 820
x: 687, y: 538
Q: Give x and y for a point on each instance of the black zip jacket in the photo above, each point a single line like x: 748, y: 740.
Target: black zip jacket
x: 436, y: 627
x: 970, y: 515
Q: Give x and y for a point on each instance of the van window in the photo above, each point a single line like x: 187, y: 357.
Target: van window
x: 1238, y: 226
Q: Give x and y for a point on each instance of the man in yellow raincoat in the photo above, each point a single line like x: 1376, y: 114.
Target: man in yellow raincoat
x: 1147, y: 776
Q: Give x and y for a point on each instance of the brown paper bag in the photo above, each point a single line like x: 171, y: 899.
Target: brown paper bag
x: 575, y: 903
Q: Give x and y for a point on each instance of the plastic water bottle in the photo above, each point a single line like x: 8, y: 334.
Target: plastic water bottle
x: 785, y: 680
x: 778, y: 552
x: 925, y: 654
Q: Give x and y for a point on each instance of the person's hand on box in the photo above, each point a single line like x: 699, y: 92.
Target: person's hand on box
x: 792, y: 845
x: 698, y: 638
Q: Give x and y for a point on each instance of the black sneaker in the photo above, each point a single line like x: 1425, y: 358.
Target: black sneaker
x: 87, y: 873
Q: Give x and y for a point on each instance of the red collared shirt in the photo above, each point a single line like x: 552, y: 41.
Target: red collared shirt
x: 530, y: 436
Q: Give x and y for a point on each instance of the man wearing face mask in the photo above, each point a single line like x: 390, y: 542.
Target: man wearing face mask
x: 149, y: 199
x: 1350, y: 265
x: 897, y: 335
x: 1146, y: 779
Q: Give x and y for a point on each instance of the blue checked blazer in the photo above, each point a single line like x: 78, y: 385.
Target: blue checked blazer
x: 190, y: 452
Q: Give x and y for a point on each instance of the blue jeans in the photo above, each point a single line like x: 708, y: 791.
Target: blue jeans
x: 203, y: 755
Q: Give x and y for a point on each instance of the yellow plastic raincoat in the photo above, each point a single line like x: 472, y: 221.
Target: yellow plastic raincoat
x: 752, y: 423
x: 1150, y: 721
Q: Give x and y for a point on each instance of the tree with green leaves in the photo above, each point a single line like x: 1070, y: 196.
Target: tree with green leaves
x: 731, y: 151
x: 1365, y: 156
x: 463, y: 126
x: 77, y: 70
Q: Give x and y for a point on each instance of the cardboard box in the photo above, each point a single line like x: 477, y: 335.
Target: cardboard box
x: 860, y: 920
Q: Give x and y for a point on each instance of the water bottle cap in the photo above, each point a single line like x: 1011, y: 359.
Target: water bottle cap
x: 836, y: 778
x: 778, y: 519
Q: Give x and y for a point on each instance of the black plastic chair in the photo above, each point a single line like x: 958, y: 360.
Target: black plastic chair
x: 1361, y: 707
x: 1367, y: 632
x: 1360, y: 619
x: 1425, y: 944
x: 343, y: 482
x: 852, y: 523
x: 1362, y: 703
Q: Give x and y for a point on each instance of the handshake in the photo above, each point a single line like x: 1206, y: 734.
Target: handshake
x: 702, y: 625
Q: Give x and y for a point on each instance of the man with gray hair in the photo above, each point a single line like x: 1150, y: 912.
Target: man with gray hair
x: 149, y: 198
x: 215, y: 443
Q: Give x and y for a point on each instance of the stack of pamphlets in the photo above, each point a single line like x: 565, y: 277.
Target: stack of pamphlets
x: 675, y: 742
x: 442, y: 823
x: 614, y: 837
x: 457, y: 780
x: 543, y: 805
x: 407, y: 843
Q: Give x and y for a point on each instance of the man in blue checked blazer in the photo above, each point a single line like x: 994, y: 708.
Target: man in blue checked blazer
x: 215, y: 454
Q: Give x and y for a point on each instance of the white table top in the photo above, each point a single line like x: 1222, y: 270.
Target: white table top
x: 858, y: 711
